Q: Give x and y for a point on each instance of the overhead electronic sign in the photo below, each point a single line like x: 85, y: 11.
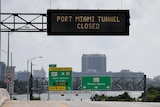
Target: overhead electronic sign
x: 88, y: 22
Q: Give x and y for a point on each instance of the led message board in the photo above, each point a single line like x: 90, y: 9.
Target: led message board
x: 88, y: 22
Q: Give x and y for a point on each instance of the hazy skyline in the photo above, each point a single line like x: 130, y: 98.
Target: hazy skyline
x: 140, y: 51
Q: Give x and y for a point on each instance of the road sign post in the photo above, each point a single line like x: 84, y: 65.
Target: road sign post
x: 60, y: 79
x: 96, y: 83
x: 8, y: 78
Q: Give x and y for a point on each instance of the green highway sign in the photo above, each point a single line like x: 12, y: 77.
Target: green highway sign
x: 96, y: 83
x: 52, y: 65
x: 60, y: 79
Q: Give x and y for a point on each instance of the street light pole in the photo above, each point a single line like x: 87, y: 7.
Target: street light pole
x: 8, y: 62
x: 30, y: 79
x: 8, y: 53
x: 9, y: 69
x: 31, y: 84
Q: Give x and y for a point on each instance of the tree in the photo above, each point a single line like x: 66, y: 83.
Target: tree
x: 2, y: 84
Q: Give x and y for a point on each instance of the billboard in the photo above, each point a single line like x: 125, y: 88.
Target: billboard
x: 88, y: 22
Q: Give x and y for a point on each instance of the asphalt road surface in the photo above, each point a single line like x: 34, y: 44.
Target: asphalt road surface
x: 16, y: 103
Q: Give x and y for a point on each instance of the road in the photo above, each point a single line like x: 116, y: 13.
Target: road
x: 16, y: 103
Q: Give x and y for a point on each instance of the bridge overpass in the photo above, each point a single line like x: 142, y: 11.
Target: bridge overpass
x: 6, y: 102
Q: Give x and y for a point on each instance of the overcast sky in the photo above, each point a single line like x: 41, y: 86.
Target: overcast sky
x: 140, y: 51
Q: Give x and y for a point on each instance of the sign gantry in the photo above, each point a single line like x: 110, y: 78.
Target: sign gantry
x: 23, y: 22
x: 68, y: 22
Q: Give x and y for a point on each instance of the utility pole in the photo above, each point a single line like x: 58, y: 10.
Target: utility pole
x: 0, y: 31
x: 145, y: 93
x: 31, y: 78
x: 31, y: 84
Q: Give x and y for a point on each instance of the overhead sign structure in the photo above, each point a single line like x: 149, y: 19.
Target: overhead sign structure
x: 88, y: 22
x: 60, y: 79
x: 96, y: 83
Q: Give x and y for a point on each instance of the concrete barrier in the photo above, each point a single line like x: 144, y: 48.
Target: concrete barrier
x: 4, y: 95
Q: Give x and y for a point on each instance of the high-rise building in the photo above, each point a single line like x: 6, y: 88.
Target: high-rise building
x: 93, y: 63
x: 2, y: 70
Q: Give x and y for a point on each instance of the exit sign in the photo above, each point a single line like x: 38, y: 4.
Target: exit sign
x: 96, y: 83
x: 60, y: 79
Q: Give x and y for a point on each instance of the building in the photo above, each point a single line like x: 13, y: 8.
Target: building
x: 123, y: 73
x: 39, y: 73
x: 22, y: 75
x: 2, y: 70
x: 93, y: 63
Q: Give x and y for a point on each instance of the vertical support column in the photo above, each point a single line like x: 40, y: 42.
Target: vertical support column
x: 8, y: 52
x: 145, y: 90
x: 0, y: 31
x: 8, y: 63
x: 28, y: 80
x: 31, y: 84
